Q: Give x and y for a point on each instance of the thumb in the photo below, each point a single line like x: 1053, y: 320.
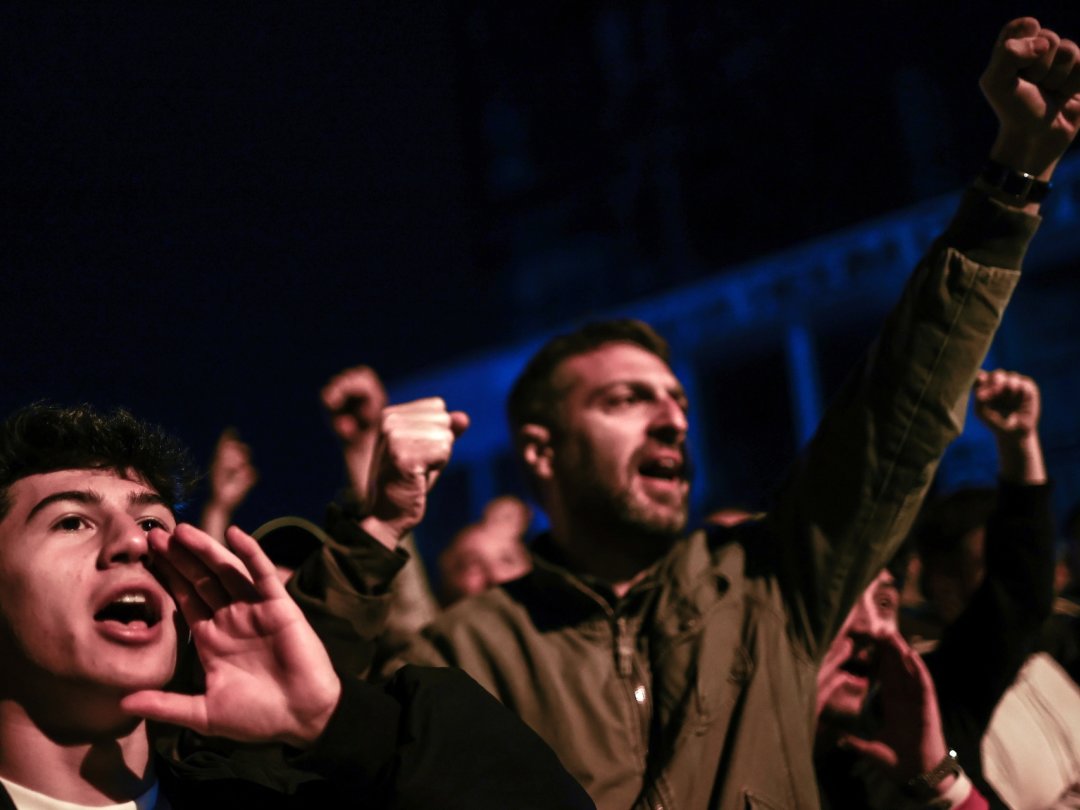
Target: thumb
x: 188, y: 711
x: 459, y: 423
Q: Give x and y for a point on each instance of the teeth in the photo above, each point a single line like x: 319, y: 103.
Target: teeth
x: 132, y: 599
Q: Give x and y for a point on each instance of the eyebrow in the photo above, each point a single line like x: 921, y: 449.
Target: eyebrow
x: 92, y: 497
x: 676, y: 392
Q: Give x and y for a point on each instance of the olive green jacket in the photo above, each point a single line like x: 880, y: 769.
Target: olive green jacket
x: 697, y: 689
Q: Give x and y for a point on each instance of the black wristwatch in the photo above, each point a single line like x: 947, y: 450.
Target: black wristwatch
x: 1019, y: 188
x: 924, y: 786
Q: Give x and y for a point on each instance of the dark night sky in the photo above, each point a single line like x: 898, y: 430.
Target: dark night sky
x: 212, y: 209
x: 211, y: 212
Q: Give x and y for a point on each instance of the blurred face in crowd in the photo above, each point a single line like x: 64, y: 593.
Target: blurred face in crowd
x: 950, y: 579
x: 850, y: 666
x: 79, y: 610
x: 619, y: 450
x: 480, y: 557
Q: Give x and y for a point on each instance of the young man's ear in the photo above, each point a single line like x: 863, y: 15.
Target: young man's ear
x: 534, y: 444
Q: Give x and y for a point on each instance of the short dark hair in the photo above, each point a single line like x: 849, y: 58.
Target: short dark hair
x: 43, y: 437
x: 945, y: 522
x: 533, y: 398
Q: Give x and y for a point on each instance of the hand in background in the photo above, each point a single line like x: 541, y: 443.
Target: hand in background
x: 354, y: 400
x: 1032, y: 82
x: 910, y: 741
x: 414, y: 443
x: 232, y: 475
x: 1009, y: 404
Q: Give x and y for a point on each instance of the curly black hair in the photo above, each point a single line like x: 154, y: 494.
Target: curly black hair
x: 44, y: 437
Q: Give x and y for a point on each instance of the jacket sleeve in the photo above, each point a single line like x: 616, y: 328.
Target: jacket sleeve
x: 852, y: 496
x: 434, y: 738
x: 427, y: 738
x: 344, y: 591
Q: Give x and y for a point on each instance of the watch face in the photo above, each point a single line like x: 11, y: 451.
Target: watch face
x: 922, y: 786
x: 1021, y: 186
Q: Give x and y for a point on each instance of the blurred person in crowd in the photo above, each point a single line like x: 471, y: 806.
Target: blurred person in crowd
x: 674, y: 670
x: 486, y: 553
x: 354, y: 400
x: 1060, y: 636
x: 987, y: 557
x: 901, y: 759
x: 231, y: 478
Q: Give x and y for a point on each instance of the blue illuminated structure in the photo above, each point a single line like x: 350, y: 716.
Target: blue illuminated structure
x: 793, y: 301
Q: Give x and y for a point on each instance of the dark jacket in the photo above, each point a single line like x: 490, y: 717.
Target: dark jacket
x: 430, y: 738
x: 697, y: 689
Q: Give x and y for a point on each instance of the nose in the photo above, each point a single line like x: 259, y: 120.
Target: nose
x: 866, y: 620
x: 125, y: 544
x: 669, y: 421
x: 861, y: 620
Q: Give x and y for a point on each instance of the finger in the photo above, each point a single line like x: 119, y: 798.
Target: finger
x: 1070, y: 84
x: 1020, y: 47
x: 871, y: 749
x: 188, y: 567
x: 225, y: 570
x: 1039, y: 57
x: 998, y: 383
x: 332, y: 395
x: 258, y: 565
x: 364, y: 382
x: 414, y: 420
x: 1017, y: 49
x: 1020, y: 28
x: 187, y: 599
x: 459, y: 423
x: 913, y: 667
x: 1062, y: 66
x: 188, y: 711
x: 359, y: 380
x: 418, y: 407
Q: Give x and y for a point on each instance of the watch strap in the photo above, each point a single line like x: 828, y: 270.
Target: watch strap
x: 1019, y: 188
x: 924, y: 786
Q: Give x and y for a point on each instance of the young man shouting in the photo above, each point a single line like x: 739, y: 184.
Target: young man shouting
x: 94, y: 575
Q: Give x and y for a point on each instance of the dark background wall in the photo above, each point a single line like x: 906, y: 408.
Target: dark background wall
x: 210, y: 210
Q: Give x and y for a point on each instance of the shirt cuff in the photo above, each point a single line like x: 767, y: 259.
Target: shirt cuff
x: 989, y: 232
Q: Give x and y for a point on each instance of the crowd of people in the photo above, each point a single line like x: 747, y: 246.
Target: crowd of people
x: 621, y: 659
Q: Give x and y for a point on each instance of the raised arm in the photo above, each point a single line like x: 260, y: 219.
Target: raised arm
x: 1009, y: 404
x: 413, y: 446
x: 232, y: 475
x: 998, y: 627
x: 854, y: 494
x: 1032, y: 83
x: 344, y: 590
x: 354, y: 399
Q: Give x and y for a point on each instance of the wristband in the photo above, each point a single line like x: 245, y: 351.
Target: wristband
x: 1019, y: 187
x: 955, y: 796
x: 924, y: 786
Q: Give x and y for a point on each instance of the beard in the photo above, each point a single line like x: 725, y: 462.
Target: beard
x: 626, y: 511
